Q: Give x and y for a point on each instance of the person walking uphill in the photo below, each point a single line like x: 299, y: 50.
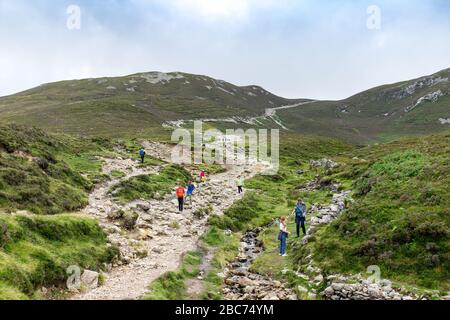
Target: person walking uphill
x: 142, y: 154
x: 202, y: 176
x: 180, y: 195
x: 240, y: 184
x: 300, y: 216
x: 282, y: 236
x: 190, y: 191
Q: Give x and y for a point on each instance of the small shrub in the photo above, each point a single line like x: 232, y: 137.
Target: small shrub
x: 174, y: 225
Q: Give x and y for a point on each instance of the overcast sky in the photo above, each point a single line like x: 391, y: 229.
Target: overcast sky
x: 293, y: 48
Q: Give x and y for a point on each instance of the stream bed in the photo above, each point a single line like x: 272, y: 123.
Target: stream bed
x: 242, y: 284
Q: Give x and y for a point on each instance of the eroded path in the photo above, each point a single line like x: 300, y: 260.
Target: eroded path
x: 162, y: 236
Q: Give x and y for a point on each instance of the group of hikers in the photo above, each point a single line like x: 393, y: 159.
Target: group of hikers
x: 184, y: 194
x: 299, y: 212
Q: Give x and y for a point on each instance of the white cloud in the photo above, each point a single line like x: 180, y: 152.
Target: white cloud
x: 214, y: 8
x: 292, y: 48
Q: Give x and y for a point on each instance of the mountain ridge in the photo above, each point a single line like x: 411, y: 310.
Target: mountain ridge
x: 148, y: 100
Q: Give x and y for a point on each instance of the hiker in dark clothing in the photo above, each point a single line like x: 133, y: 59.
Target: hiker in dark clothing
x: 142, y: 154
x: 240, y: 184
x: 300, y: 216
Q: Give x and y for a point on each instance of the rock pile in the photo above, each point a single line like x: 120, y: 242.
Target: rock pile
x: 326, y: 214
x: 358, y: 288
x: 325, y: 163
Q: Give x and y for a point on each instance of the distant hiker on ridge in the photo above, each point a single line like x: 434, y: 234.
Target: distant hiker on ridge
x: 142, y: 154
x: 180, y: 192
x: 300, y: 216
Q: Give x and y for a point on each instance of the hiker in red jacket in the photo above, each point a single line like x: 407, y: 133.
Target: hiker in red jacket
x: 202, y: 176
x: 180, y: 195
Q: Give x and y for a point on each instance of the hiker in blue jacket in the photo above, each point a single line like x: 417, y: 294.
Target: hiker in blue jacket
x: 190, y: 191
x: 142, y: 154
x: 300, y: 216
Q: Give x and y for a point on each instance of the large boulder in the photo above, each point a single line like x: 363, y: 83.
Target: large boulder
x: 90, y: 279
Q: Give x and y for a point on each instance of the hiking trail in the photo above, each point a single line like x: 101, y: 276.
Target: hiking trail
x: 161, y: 236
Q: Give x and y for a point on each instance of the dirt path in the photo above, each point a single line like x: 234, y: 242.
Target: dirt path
x: 269, y: 113
x: 162, y: 234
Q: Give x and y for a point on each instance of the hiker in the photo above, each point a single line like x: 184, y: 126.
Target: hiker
x: 202, y: 176
x: 180, y: 195
x: 142, y: 154
x: 240, y: 184
x: 199, y: 184
x: 190, y: 191
x: 300, y: 216
x: 282, y: 236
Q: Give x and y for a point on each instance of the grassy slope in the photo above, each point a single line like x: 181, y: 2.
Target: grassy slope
x: 146, y: 186
x: 376, y: 114
x: 401, y: 224
x: 43, y: 173
x: 171, y: 285
x: 92, y: 107
x: 400, y: 219
x: 36, y: 251
x: 46, y: 175
x: 273, y: 197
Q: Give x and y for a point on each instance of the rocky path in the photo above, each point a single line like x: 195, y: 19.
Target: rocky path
x: 161, y: 236
x: 269, y: 113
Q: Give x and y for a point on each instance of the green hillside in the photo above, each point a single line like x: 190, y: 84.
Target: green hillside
x: 133, y: 105
x: 140, y: 104
x: 42, y: 177
x: 408, y: 108
x: 400, y: 219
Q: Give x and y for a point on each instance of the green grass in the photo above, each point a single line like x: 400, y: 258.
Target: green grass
x: 171, y: 285
x: 117, y: 174
x: 89, y: 108
x: 36, y: 251
x: 44, y: 173
x: 146, y: 186
x: 400, y: 219
x: 272, y: 197
x: 47, y: 175
x: 225, y: 250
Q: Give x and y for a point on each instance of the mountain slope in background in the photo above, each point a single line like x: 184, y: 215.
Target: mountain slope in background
x: 133, y: 104
x: 141, y: 103
x: 418, y: 106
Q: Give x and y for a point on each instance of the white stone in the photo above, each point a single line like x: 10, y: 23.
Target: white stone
x: 90, y: 279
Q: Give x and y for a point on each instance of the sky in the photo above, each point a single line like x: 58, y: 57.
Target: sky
x: 321, y: 49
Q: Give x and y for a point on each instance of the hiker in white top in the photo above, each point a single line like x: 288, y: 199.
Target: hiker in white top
x: 282, y: 236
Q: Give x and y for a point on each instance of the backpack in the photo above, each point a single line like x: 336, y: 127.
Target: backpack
x: 299, y: 210
x: 180, y: 192
x: 141, y: 153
